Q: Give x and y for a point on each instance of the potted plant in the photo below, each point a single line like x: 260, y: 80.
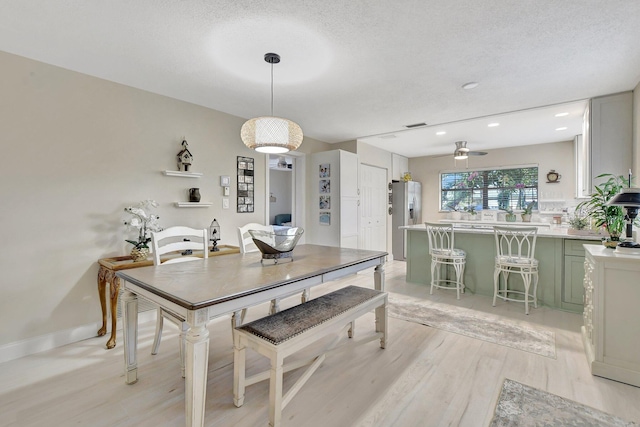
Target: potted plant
x: 471, y: 211
x: 526, y: 213
x: 611, y: 218
x: 454, y: 208
x: 144, y: 222
x: 510, y: 216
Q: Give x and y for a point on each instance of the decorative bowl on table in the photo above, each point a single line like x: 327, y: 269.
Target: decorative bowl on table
x: 278, y: 244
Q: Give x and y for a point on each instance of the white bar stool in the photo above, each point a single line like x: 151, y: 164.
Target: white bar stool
x: 441, y: 242
x: 516, y: 247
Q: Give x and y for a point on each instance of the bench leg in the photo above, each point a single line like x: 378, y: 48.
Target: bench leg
x: 239, y: 370
x: 352, y: 329
x: 275, y: 390
x: 381, y: 323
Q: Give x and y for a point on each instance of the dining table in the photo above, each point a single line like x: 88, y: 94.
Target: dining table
x: 217, y: 286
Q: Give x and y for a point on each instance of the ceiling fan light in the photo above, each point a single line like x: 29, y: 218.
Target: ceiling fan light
x: 460, y: 154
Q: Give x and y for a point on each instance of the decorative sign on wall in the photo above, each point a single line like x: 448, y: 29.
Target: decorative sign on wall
x: 245, y: 184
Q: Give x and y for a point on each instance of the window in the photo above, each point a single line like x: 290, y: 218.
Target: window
x: 489, y: 189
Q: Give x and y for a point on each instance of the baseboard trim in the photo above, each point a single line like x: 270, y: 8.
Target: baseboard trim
x: 18, y: 349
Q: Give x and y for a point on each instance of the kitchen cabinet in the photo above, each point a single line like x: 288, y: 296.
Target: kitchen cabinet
x: 572, y: 286
x: 611, y: 328
x: 606, y: 144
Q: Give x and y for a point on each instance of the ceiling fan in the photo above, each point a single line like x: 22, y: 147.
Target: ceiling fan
x: 462, y: 152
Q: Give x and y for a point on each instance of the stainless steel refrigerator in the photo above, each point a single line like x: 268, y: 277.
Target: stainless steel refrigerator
x: 406, y: 210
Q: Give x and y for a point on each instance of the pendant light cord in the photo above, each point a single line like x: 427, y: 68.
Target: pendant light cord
x: 272, y: 89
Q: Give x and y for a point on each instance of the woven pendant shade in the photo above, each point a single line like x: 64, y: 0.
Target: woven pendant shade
x: 271, y: 135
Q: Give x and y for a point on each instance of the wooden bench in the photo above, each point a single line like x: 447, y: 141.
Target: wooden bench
x: 284, y: 333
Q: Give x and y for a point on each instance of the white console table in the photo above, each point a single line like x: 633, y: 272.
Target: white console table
x: 611, y: 314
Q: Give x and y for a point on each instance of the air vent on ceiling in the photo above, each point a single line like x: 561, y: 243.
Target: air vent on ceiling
x: 415, y: 125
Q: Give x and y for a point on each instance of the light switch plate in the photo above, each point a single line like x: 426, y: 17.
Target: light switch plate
x: 225, y: 203
x: 225, y: 180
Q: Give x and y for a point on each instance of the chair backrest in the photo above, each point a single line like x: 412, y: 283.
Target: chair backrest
x: 441, y: 236
x: 172, y: 239
x: 516, y: 242
x: 245, y: 241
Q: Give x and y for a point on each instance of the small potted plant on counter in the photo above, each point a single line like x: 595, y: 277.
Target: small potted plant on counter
x: 611, y: 218
x: 526, y: 213
x: 510, y: 216
x: 471, y: 211
x: 454, y: 208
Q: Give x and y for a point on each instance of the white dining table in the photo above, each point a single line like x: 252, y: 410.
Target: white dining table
x: 216, y: 286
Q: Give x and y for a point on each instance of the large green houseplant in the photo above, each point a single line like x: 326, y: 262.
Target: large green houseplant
x: 612, y: 218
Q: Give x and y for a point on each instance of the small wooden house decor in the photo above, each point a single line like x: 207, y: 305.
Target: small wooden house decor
x: 185, y: 158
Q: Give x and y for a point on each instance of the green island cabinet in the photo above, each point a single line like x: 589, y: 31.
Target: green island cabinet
x: 560, y: 270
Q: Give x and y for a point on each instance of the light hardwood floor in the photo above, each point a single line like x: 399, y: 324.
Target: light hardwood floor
x: 425, y: 376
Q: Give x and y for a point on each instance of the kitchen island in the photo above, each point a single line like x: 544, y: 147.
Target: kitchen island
x: 561, y: 257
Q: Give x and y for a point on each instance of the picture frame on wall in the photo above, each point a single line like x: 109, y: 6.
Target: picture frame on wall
x: 325, y: 186
x: 325, y: 218
x: 325, y: 170
x: 245, y: 184
x: 325, y: 202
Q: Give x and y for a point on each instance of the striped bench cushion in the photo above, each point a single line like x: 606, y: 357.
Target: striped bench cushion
x: 288, y: 323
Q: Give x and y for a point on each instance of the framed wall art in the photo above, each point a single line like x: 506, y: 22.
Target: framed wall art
x: 325, y: 218
x: 245, y: 184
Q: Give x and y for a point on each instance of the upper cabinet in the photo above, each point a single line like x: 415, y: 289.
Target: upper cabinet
x: 606, y: 145
x: 399, y: 165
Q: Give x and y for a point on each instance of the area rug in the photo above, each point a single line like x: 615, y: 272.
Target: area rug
x: 523, y: 406
x: 474, y: 324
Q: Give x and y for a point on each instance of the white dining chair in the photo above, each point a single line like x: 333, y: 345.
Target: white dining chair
x: 444, y: 254
x: 176, y: 240
x: 245, y: 241
x: 515, y: 253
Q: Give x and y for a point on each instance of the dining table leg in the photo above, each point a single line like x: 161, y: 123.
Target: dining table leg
x: 196, y: 366
x: 130, y: 336
x: 378, y: 277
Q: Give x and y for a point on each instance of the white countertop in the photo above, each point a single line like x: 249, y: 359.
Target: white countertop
x: 487, y: 228
x: 600, y: 252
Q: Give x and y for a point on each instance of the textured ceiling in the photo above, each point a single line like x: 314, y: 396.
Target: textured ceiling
x: 350, y: 69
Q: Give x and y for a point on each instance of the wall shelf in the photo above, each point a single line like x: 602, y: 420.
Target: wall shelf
x: 193, y: 204
x: 183, y: 174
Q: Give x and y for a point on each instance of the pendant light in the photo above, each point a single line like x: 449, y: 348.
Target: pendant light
x: 270, y: 134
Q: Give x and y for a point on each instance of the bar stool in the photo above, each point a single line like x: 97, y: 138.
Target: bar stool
x: 441, y: 242
x: 516, y: 247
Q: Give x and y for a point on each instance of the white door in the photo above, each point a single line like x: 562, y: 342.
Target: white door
x: 373, y: 208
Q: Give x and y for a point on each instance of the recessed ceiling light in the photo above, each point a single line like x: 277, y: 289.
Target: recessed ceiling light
x: 492, y: 125
x: 562, y: 128
x: 562, y: 114
x: 391, y: 136
x: 469, y: 85
x: 441, y: 133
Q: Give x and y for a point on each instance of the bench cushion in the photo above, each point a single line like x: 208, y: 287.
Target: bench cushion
x: 288, y: 323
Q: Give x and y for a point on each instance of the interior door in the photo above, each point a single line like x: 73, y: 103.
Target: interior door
x: 373, y: 209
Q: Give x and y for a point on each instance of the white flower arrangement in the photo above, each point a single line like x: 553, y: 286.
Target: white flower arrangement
x: 143, y: 221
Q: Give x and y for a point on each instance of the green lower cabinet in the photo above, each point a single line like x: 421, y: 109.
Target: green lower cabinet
x: 561, y: 267
x: 573, y: 287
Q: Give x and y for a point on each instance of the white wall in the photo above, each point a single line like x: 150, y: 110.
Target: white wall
x: 77, y: 150
x: 558, y: 156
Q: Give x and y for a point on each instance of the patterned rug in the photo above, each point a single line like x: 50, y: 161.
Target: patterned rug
x: 474, y: 324
x: 523, y: 406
